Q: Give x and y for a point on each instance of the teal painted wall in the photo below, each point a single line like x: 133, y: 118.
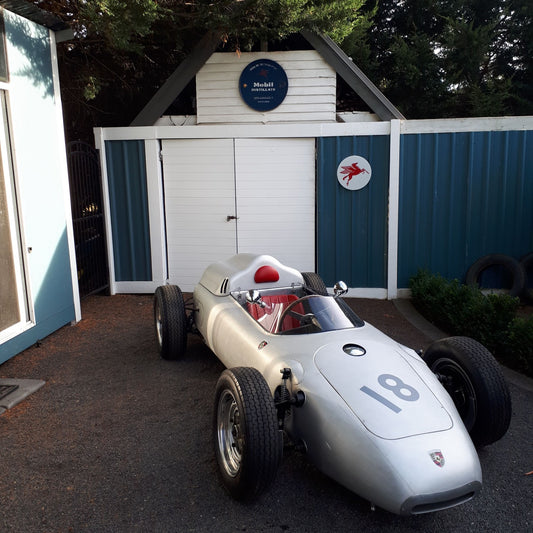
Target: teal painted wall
x: 38, y: 146
x: 128, y: 199
x: 463, y: 196
x: 352, y: 225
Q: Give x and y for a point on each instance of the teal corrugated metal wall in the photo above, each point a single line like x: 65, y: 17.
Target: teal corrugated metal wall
x: 128, y: 198
x: 352, y: 225
x: 462, y: 196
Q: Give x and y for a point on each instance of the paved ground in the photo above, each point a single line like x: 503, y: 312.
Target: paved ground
x: 119, y: 440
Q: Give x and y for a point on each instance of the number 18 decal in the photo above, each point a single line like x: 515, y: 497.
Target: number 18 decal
x: 400, y: 389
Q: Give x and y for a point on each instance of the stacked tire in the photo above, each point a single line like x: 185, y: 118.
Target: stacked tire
x: 520, y: 273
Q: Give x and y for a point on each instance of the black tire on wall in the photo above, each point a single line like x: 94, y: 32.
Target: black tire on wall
x: 475, y: 382
x: 527, y: 266
x: 511, y: 265
x: 170, y: 321
x: 248, y: 442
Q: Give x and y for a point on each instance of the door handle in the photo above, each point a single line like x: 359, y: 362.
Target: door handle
x: 231, y: 217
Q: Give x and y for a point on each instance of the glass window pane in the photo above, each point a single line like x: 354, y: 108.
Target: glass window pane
x: 9, y: 306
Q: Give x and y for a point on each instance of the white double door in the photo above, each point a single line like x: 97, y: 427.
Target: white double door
x: 228, y: 196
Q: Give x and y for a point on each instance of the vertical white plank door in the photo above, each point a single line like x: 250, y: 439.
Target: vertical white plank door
x: 275, y: 184
x: 199, y: 187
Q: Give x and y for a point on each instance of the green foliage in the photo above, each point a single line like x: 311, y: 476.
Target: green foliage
x: 121, y: 23
x: 455, y: 57
x: 125, y: 50
x: 517, y: 349
x: 432, y: 59
x: 246, y: 22
x: 463, y: 310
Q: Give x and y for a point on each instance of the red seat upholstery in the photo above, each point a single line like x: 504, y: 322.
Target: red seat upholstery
x: 269, y: 315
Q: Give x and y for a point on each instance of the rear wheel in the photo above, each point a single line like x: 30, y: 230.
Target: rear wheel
x: 475, y: 382
x: 170, y: 321
x: 314, y: 282
x: 248, y: 442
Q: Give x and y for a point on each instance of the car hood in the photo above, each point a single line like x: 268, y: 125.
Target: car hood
x: 386, y: 388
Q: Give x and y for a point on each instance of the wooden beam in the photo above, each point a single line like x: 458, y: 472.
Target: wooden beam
x: 353, y: 76
x: 177, y: 81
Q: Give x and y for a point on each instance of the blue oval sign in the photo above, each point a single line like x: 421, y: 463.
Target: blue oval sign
x: 263, y: 85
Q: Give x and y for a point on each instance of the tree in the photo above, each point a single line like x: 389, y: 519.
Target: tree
x: 453, y: 57
x: 432, y: 58
x: 124, y: 51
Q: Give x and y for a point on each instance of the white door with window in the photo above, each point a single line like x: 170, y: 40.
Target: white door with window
x: 227, y: 196
x: 13, y: 307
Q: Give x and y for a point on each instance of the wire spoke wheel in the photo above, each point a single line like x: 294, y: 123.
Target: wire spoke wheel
x: 158, y: 323
x: 229, y: 433
x: 248, y: 443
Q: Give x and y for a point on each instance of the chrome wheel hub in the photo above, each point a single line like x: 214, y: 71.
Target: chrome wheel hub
x: 229, y: 433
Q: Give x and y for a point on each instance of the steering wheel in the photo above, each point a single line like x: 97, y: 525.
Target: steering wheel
x: 303, y: 319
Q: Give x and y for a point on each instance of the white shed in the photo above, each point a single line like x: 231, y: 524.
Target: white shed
x: 228, y: 183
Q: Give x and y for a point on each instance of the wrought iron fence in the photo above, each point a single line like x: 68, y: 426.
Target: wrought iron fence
x: 87, y: 218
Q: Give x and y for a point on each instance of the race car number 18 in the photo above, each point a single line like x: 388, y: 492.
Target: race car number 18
x: 400, y: 389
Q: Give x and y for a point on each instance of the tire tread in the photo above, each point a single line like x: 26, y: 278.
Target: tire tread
x: 263, y: 440
x: 494, y: 400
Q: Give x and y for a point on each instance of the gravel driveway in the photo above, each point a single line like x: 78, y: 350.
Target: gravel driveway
x: 119, y: 440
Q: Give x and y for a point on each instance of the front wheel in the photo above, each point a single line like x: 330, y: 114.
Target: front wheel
x: 248, y: 442
x: 476, y: 384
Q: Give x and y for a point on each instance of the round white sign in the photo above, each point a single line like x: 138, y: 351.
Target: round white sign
x: 354, y: 172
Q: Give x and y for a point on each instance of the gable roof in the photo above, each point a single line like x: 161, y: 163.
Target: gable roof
x: 353, y: 76
x: 35, y: 14
x: 331, y: 53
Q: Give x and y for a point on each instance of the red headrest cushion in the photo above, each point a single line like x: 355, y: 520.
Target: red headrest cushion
x: 266, y: 274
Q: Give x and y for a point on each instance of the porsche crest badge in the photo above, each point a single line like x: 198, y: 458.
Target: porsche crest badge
x: 437, y: 457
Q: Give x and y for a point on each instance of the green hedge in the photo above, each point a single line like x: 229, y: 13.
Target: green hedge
x: 463, y: 310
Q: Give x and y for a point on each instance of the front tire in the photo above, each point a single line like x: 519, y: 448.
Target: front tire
x: 248, y: 442
x: 475, y: 382
x: 170, y: 321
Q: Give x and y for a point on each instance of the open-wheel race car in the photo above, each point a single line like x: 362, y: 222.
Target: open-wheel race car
x: 394, y: 427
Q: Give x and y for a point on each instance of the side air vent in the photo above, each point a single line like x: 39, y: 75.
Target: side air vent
x: 224, y: 286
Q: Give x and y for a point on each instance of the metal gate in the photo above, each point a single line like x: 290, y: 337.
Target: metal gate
x: 87, y: 217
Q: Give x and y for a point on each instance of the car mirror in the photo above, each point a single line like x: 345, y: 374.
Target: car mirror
x: 340, y: 288
x: 253, y: 296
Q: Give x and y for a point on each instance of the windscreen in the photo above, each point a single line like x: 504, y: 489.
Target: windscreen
x: 313, y: 314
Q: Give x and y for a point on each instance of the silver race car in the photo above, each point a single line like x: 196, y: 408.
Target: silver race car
x: 396, y: 428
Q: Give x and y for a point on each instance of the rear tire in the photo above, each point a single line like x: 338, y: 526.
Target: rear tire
x: 247, y: 439
x: 314, y: 282
x: 170, y: 321
x: 475, y: 382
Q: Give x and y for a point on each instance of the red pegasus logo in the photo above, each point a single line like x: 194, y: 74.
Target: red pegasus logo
x: 353, y: 170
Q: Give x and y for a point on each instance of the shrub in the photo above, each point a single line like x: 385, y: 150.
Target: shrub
x: 516, y: 349
x: 463, y: 310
